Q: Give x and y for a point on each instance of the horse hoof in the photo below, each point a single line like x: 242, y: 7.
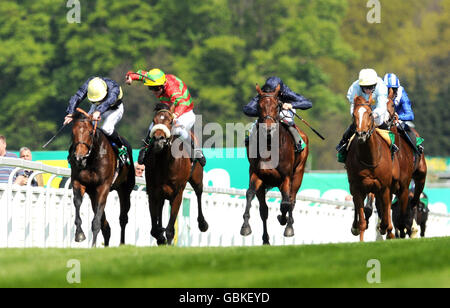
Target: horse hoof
x: 355, y: 231
x: 266, y: 243
x: 79, y: 237
x: 246, y: 230
x: 282, y: 220
x: 390, y: 236
x: 203, y: 226
x: 161, y: 242
x: 289, y: 232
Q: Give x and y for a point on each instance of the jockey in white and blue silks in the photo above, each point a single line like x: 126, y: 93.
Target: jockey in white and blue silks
x: 403, y: 109
x: 367, y: 84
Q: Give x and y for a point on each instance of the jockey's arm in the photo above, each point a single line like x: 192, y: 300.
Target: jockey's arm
x: 296, y: 100
x: 407, y: 114
x: 251, y: 109
x: 131, y: 76
x: 78, y: 97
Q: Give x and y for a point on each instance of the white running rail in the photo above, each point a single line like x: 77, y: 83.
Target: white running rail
x: 44, y: 216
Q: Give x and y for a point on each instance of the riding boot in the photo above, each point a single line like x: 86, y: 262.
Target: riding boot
x: 346, y: 137
x: 410, y: 137
x: 122, y: 150
x: 198, y: 153
x: 299, y: 143
x: 147, y: 142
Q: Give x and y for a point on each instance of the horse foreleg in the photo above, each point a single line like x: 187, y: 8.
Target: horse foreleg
x: 78, y: 193
x: 386, y: 221
x: 286, y: 207
x: 98, y: 205
x: 403, y: 203
x: 155, y: 204
x: 358, y: 201
x: 263, y: 212
x: 124, y: 198
x: 174, y: 208
x: 255, y: 184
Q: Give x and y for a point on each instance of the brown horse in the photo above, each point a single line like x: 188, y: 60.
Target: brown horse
x: 283, y: 168
x: 412, y: 166
x: 370, y: 169
x: 167, y: 175
x: 94, y: 165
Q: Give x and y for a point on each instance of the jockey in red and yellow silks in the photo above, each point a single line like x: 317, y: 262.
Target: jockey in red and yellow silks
x: 173, y: 92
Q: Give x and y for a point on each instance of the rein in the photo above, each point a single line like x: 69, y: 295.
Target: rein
x: 369, y: 135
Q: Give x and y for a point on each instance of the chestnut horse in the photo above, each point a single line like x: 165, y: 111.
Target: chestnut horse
x: 167, y: 176
x: 282, y: 167
x: 412, y: 166
x: 94, y: 164
x: 370, y: 169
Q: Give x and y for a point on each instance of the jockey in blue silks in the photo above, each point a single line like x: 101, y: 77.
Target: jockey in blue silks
x: 290, y: 100
x: 105, y: 96
x: 403, y: 109
x: 367, y: 84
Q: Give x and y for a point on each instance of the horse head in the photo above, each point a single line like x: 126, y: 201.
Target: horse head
x: 269, y: 107
x: 363, y: 118
x: 391, y: 108
x: 162, y: 126
x: 83, y: 133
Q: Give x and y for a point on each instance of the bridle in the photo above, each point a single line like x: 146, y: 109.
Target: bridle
x: 369, y: 134
x: 370, y: 131
x: 279, y: 106
x: 168, y: 137
x: 91, y: 134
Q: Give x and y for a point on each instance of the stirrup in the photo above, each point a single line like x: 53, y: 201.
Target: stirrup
x: 394, y: 148
x: 298, y: 147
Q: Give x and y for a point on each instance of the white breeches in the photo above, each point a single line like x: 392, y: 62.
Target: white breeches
x: 182, y: 126
x: 109, y: 118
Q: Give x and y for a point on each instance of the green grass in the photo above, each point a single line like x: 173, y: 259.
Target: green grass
x: 404, y: 263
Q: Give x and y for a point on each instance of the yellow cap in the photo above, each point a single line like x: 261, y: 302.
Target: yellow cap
x: 155, y: 77
x: 97, y: 89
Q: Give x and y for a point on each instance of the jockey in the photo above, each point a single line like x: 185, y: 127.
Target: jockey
x: 106, y: 97
x: 367, y: 84
x: 290, y: 100
x: 403, y: 109
x: 173, y: 92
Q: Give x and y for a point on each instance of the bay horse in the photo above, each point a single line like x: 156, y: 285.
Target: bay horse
x: 370, y: 169
x: 282, y: 168
x: 412, y: 166
x: 167, y: 175
x: 94, y: 164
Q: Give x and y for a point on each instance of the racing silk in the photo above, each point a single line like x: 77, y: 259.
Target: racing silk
x: 285, y: 95
x: 177, y: 94
x: 111, y: 100
x: 379, y: 95
x: 403, y: 105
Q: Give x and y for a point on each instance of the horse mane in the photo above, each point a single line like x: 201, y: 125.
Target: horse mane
x: 78, y: 116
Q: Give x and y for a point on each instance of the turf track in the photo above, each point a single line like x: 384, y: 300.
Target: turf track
x: 404, y: 263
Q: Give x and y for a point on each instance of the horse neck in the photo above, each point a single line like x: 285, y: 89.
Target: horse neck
x: 369, y: 151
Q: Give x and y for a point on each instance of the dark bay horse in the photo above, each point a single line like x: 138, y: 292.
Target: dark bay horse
x: 167, y: 175
x: 281, y: 168
x: 94, y: 164
x: 370, y: 169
